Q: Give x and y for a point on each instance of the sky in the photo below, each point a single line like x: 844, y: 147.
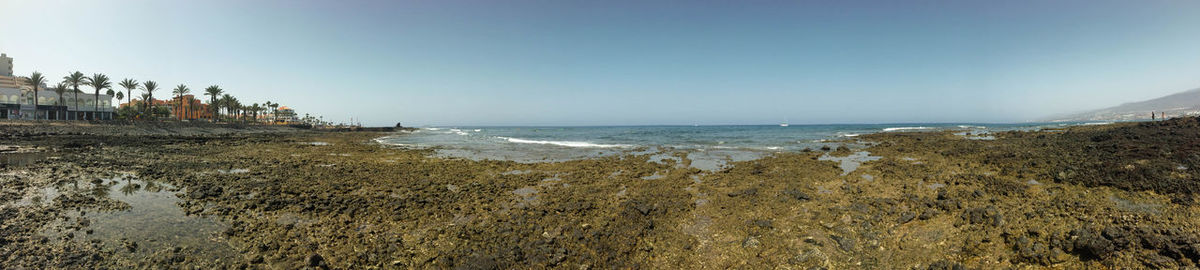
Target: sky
x: 563, y: 62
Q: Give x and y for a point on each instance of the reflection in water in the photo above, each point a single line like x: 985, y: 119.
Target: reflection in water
x: 98, y: 191
x: 130, y: 188
x: 154, y: 221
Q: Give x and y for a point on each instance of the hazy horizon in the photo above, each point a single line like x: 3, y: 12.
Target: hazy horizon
x: 579, y: 63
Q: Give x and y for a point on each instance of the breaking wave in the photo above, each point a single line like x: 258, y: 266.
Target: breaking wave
x: 564, y: 143
x: 904, y: 128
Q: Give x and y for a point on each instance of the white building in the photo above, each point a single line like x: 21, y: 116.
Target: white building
x: 6, y: 65
x: 286, y: 115
x: 16, y: 100
x: 18, y: 104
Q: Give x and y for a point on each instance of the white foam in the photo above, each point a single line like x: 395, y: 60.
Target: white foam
x: 1095, y: 123
x: 903, y: 128
x: 458, y: 131
x: 384, y: 140
x: 564, y: 143
x: 970, y: 126
x: 434, y: 129
x: 849, y: 135
x: 478, y: 130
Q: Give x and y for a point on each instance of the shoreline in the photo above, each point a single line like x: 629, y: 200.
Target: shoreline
x: 290, y: 198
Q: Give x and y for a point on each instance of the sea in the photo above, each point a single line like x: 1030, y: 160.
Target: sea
x: 709, y: 147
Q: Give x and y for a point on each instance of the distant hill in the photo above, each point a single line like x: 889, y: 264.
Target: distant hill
x: 1182, y: 103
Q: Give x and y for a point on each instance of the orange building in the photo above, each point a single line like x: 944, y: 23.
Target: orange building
x: 190, y: 109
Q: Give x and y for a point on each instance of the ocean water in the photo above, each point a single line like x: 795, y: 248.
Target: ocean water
x: 712, y: 143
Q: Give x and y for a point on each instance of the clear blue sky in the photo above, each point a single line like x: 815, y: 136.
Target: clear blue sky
x: 630, y: 62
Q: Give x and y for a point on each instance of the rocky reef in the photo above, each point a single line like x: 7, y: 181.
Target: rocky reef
x: 1112, y: 196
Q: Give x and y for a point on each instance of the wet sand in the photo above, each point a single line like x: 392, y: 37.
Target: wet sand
x: 1116, y: 196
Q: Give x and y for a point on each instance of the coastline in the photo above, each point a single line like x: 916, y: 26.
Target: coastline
x: 1116, y: 195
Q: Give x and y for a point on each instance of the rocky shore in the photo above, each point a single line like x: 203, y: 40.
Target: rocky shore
x: 104, y: 196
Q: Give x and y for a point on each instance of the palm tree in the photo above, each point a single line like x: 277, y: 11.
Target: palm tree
x: 37, y: 80
x: 145, y: 97
x: 120, y: 96
x: 75, y: 79
x: 213, y: 92
x: 129, y: 85
x: 227, y: 102
x: 179, y: 92
x: 231, y: 104
x: 274, y: 111
x: 100, y: 82
x: 254, y: 110
x: 111, y: 94
x: 149, y: 87
x: 60, y: 89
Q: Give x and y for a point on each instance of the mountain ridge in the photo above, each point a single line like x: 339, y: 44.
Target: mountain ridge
x: 1177, y: 104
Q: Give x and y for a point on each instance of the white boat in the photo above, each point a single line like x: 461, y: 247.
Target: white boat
x: 784, y: 124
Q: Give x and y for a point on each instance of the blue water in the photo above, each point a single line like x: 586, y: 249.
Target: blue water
x: 529, y: 144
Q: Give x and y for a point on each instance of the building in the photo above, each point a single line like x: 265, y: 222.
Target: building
x: 6, y: 65
x: 21, y: 83
x: 285, y: 114
x: 190, y: 109
x: 17, y: 103
x: 16, y: 100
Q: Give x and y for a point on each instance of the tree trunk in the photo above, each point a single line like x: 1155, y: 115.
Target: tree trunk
x: 35, y: 100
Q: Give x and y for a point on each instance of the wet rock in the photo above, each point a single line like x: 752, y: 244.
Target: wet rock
x: 941, y: 195
x: 314, y: 260
x: 762, y: 223
x: 1089, y: 245
x: 130, y: 246
x: 205, y: 191
x: 984, y: 215
x: 929, y: 213
x: 750, y: 242
x: 1157, y: 261
x: 906, y: 217
x: 846, y: 243
x: 1034, y: 252
x: 744, y: 192
x: 797, y: 194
